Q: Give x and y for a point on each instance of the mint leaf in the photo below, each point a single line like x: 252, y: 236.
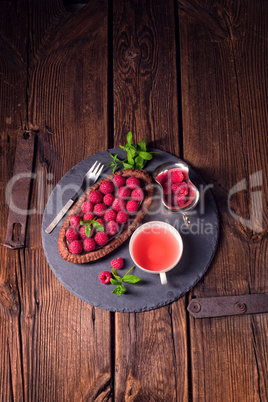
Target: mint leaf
x: 124, y: 148
x: 139, y: 162
x: 146, y: 155
x: 132, y: 151
x: 119, y: 290
x: 89, y: 223
x: 137, y: 155
x: 128, y: 165
x: 131, y: 279
x: 129, y: 137
x: 87, y: 231
x: 116, y: 291
x: 116, y: 276
x: 98, y: 226
x: 114, y: 282
x: 130, y: 159
x: 142, y: 145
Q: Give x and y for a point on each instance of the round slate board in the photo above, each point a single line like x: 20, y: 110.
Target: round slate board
x: 200, y: 241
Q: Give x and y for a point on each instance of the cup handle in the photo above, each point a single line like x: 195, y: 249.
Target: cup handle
x: 163, y: 278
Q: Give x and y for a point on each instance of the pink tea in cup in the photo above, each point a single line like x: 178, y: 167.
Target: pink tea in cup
x: 155, y: 250
x: 156, y: 247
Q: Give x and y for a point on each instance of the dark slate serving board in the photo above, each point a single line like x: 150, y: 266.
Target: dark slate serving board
x: 82, y: 280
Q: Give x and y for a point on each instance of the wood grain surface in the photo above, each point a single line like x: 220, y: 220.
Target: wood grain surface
x: 225, y: 118
x: 190, y: 77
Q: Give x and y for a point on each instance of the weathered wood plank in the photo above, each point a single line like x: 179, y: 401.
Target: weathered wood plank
x: 55, y: 346
x: 13, y: 84
x: 151, y: 347
x: 224, y: 106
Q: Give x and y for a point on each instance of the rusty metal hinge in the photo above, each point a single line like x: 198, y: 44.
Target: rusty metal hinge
x: 228, y: 305
x: 19, y: 190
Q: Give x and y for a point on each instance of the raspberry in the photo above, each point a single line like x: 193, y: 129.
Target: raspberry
x: 75, y: 247
x: 105, y: 277
x: 101, y: 221
x: 95, y: 197
x: 100, y: 209
x: 177, y: 176
x: 89, y: 245
x: 101, y: 238
x: 119, y: 181
x: 108, y: 199
x: 106, y: 187
x: 110, y: 215
x: 122, y: 217
x: 119, y: 204
x: 137, y: 194
x: 87, y: 206
x: 117, y: 263
x: 180, y: 200
x: 180, y: 188
x: 89, y: 216
x: 167, y: 187
x: 75, y: 221
x: 124, y: 192
x: 132, y: 206
x: 112, y: 228
x: 83, y: 232
x: 72, y: 234
x: 133, y: 182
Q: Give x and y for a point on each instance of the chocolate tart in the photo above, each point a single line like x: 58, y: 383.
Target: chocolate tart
x: 126, y: 229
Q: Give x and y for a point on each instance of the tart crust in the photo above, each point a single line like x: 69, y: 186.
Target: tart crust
x: 117, y: 240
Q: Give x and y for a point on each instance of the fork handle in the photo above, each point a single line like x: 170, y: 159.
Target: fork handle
x: 56, y: 220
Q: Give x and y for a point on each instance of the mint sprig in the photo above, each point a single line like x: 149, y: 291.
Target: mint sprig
x: 118, y: 281
x: 137, y: 155
x: 89, y: 224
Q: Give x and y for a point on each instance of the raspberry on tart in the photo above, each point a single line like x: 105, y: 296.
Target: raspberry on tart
x: 101, y: 238
x: 119, y: 205
x: 96, y: 197
x: 110, y: 215
x: 100, y: 209
x: 137, y: 194
x: 107, y: 187
x: 108, y: 199
x: 75, y: 221
x: 132, y: 206
x: 112, y: 228
x: 89, y: 245
x: 124, y: 192
x: 119, y: 181
x: 76, y: 247
x: 122, y: 217
x: 72, y: 234
x: 133, y: 182
x: 87, y: 206
x: 88, y: 216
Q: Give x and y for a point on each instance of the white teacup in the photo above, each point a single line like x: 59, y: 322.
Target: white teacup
x: 156, y: 247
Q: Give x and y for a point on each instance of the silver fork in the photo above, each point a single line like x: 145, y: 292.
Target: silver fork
x: 90, y: 177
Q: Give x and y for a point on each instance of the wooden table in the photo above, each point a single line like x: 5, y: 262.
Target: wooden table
x: 191, y: 78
